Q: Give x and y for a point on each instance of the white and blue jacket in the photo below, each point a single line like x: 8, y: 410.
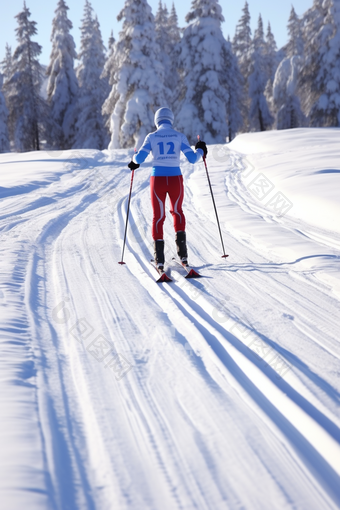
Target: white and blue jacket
x: 166, y: 145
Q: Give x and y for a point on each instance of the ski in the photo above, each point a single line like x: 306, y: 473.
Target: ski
x: 192, y: 273
x: 163, y: 276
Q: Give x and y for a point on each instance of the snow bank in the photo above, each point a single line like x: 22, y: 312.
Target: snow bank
x: 304, y: 165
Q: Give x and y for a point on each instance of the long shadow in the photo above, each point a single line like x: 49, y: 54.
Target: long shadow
x: 270, y: 372
x: 298, y: 363
x: 316, y: 462
x: 327, y: 171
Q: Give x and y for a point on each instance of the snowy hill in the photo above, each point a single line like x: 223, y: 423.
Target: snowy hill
x: 217, y: 393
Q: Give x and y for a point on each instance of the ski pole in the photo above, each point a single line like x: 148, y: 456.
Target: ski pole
x: 127, y: 217
x: 212, y: 196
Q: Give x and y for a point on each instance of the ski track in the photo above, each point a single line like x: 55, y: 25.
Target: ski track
x: 199, y: 420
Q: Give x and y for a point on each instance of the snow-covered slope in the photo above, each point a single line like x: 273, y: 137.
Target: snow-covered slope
x: 217, y: 393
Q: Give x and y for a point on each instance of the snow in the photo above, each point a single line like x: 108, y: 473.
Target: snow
x: 291, y: 161
x: 221, y: 392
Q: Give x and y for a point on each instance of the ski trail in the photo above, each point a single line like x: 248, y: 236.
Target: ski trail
x: 289, y: 410
x: 194, y: 394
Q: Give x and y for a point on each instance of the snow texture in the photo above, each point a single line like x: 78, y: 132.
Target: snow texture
x: 216, y: 393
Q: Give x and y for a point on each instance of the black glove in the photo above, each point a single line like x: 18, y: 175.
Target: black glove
x: 133, y: 166
x: 202, y: 145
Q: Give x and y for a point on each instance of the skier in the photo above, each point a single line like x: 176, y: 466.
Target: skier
x: 166, y: 145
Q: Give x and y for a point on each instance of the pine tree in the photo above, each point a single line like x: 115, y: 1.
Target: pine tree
x: 110, y: 45
x: 260, y: 116
x: 242, y: 48
x: 26, y: 107
x: 271, y: 54
x: 163, y: 39
x: 90, y: 131
x: 289, y: 114
x: 4, y: 136
x: 137, y: 77
x: 295, y: 44
x: 207, y: 87
x: 7, y: 72
x: 108, y: 70
x: 7, y: 65
x: 62, y: 89
x: 271, y: 65
x: 173, y: 26
x: 172, y: 76
x: 107, y: 78
x: 242, y: 41
x: 326, y: 109
x: 312, y: 23
x: 235, y: 95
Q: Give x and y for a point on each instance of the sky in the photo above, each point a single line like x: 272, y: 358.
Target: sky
x: 273, y: 11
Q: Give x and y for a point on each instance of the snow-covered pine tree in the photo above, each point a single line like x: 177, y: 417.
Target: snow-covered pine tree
x: 167, y: 38
x: 242, y: 42
x: 207, y: 86
x: 287, y: 104
x: 163, y: 39
x: 161, y: 25
x: 326, y: 109
x: 242, y: 46
x: 270, y: 54
x: 110, y: 44
x: 235, y: 95
x: 90, y: 131
x: 62, y: 89
x: 271, y: 65
x: 173, y: 26
x: 259, y: 114
x: 107, y: 77
x: 312, y: 23
x: 26, y: 107
x: 7, y: 65
x: 109, y: 62
x: 137, y: 78
x: 4, y: 136
x: 295, y: 44
x: 174, y: 41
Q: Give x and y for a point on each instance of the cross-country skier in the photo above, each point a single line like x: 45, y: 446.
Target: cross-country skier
x: 166, y: 145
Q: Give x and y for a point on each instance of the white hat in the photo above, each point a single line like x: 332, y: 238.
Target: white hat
x: 164, y: 114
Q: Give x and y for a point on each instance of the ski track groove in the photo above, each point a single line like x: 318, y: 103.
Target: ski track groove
x: 301, y: 438
x: 73, y: 439
x: 331, y: 426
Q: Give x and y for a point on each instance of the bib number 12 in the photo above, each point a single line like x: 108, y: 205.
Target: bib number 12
x: 171, y: 147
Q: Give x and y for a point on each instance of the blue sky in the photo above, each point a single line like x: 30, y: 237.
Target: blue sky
x: 276, y: 12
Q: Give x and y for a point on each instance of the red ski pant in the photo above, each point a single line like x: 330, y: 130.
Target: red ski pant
x: 161, y: 186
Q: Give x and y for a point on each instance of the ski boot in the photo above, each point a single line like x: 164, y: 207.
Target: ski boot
x: 181, y: 243
x: 159, y: 254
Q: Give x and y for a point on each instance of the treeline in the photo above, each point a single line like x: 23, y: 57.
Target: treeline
x: 216, y: 87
